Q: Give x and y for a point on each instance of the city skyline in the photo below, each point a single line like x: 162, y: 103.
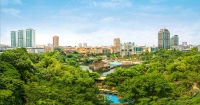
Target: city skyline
x: 23, y: 38
x: 99, y: 22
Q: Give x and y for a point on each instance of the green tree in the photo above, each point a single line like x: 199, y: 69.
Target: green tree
x: 11, y: 87
x: 149, y: 86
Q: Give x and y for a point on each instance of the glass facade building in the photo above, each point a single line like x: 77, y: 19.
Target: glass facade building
x: 164, y: 39
x: 14, y: 39
x: 23, y: 38
x: 30, y: 38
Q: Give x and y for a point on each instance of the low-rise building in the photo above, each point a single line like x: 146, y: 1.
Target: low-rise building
x: 35, y: 50
x: 184, y: 46
x: 48, y: 48
x: 94, y: 50
x: 68, y: 49
x: 129, y: 48
x: 126, y: 49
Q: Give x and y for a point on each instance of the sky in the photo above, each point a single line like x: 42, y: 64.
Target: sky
x: 98, y: 22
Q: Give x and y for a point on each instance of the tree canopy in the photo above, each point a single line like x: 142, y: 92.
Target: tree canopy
x: 166, y: 77
x: 52, y: 78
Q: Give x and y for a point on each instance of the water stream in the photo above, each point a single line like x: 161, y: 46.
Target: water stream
x: 102, y: 73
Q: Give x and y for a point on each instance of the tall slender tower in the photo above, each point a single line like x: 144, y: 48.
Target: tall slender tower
x: 164, y: 39
x: 116, y: 41
x: 55, y: 41
x: 21, y: 38
x: 14, y: 39
x: 30, y: 38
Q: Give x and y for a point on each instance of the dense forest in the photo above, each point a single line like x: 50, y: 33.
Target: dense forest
x: 166, y: 77
x: 52, y: 78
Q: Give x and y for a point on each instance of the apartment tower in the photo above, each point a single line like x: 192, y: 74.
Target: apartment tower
x: 55, y: 41
x: 30, y: 38
x: 164, y: 39
x: 14, y: 39
x: 23, y: 38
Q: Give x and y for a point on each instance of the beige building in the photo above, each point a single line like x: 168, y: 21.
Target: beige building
x: 116, y: 42
x: 114, y: 49
x: 94, y: 50
x: 48, y: 48
x: 68, y: 49
x: 40, y: 46
x: 116, y: 46
x: 55, y: 41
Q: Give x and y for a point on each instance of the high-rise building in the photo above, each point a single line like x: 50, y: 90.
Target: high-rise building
x: 55, y: 41
x: 163, y: 39
x: 174, y: 41
x: 14, y: 39
x: 116, y: 41
x: 84, y: 44
x: 21, y: 38
x: 30, y: 38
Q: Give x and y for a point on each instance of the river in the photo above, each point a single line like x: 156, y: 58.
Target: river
x: 102, y: 73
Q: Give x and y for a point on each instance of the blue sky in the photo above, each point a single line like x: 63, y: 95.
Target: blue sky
x: 98, y: 22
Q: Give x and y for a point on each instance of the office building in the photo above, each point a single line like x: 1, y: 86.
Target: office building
x: 30, y: 38
x: 55, y: 41
x: 163, y: 39
x: 174, y: 41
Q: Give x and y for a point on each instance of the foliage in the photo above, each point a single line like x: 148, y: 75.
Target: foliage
x: 150, y: 86
x: 165, y: 77
x: 11, y: 86
x: 52, y: 78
